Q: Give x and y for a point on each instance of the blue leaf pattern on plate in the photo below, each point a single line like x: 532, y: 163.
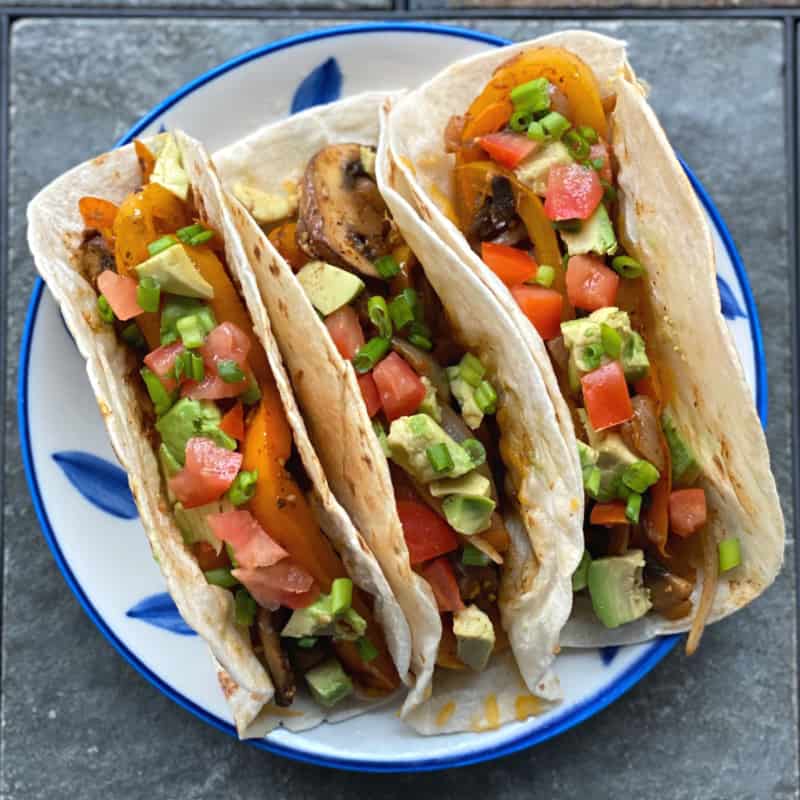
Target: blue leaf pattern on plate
x: 727, y: 300
x: 322, y: 85
x: 102, y: 483
x: 608, y: 654
x: 160, y: 611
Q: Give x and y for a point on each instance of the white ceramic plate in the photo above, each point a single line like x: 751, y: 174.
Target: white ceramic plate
x: 82, y: 498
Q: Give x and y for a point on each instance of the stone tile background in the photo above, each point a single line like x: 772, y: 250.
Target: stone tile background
x: 77, y: 720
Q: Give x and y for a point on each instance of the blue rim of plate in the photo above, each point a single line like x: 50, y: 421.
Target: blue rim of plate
x: 632, y: 675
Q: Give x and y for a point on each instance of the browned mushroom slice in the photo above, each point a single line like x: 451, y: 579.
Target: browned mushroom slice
x: 277, y: 661
x: 342, y: 217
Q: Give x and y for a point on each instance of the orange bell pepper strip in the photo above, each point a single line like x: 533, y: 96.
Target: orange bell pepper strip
x: 145, y: 158
x: 99, y: 214
x: 233, y: 422
x: 609, y: 514
x: 284, y: 237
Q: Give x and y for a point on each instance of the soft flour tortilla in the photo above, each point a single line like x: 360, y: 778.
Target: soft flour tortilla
x: 662, y: 225
x: 536, y: 594
x: 55, y: 232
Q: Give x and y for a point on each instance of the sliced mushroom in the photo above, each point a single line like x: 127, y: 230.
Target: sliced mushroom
x: 277, y: 661
x: 342, y: 216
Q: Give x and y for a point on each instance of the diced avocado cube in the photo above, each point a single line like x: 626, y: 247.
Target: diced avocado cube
x: 613, y: 456
x: 314, y: 620
x: 472, y: 483
x: 468, y: 513
x: 265, y: 208
x: 169, y: 468
x: 685, y: 469
x: 189, y: 418
x: 588, y: 455
x: 176, y: 273
x: 193, y: 522
x: 328, y: 683
x: 465, y: 394
x: 533, y: 171
x: 475, y: 637
x: 616, y: 588
x: 168, y: 170
x: 635, y: 363
x: 429, y: 404
x: 581, y: 575
x: 595, y: 235
x: 409, y: 439
x: 328, y: 287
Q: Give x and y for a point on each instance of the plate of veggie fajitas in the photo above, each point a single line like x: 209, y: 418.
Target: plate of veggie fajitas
x: 402, y: 458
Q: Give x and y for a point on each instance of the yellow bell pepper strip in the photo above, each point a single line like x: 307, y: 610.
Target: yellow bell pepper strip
x: 284, y: 238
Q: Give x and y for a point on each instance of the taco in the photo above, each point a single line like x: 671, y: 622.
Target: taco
x: 138, y: 249
x: 543, y: 167
x: 436, y: 430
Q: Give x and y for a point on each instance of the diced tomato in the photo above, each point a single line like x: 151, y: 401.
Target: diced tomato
x: 345, y: 330
x: 208, y: 473
x: 208, y: 558
x: 442, y: 580
x: 510, y: 264
x: 590, y: 283
x: 600, y: 150
x: 252, y: 545
x: 573, y: 192
x: 427, y: 535
x: 400, y: 388
x: 283, y: 584
x: 227, y: 342
x: 120, y: 291
x: 608, y: 514
x: 161, y: 361
x: 542, y: 307
x: 212, y: 387
x: 507, y: 148
x: 606, y: 397
x: 369, y: 391
x: 687, y: 511
x: 233, y: 422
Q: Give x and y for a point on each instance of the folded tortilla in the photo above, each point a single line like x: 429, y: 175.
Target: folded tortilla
x: 55, y: 235
x: 662, y: 225
x: 544, y: 474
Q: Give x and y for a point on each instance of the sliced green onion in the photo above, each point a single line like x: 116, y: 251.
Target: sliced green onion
x: 148, y: 294
x: 381, y: 434
x: 190, y: 231
x: 387, y: 267
x: 555, y: 124
x: 243, y: 487
x: 245, y: 608
x: 162, y: 399
x: 164, y: 243
x: 201, y: 238
x: 609, y: 192
x: 536, y: 132
x: 439, y: 457
x: 545, y: 276
x: 633, y: 507
x: 401, y: 312
x: 520, y: 120
x: 612, y: 341
x: 251, y: 395
x: 190, y: 329
x: 221, y: 577
x: 366, y: 650
x: 472, y: 557
x: 475, y: 450
x: 197, y: 369
x: 230, y: 371
x: 370, y: 354
x: 133, y: 336
x: 418, y: 340
x: 533, y: 96
x: 627, y: 267
x: 591, y: 480
x: 486, y: 397
x: 640, y: 476
x: 182, y: 366
x: 565, y: 261
x: 341, y: 595
x: 592, y: 355
x: 231, y: 555
x: 597, y: 163
x: 307, y: 642
x: 175, y: 308
x: 568, y: 225
x: 412, y: 298
x: 471, y: 370
x: 379, y: 316
x: 730, y: 554
x: 104, y: 309
x: 588, y: 133
x: 576, y: 144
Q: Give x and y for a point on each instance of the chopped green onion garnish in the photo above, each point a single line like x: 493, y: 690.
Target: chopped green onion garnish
x: 591, y: 480
x: 251, y: 395
x: 379, y: 316
x: 633, y: 507
x: 412, y: 298
x: 597, y: 164
x: 555, y: 124
x: 486, y: 397
x: 175, y: 308
x: 133, y: 336
x: 245, y: 608
x: 418, y: 340
x: 162, y: 399
x: 612, y: 341
x: 640, y: 476
x: 221, y: 577
x: 366, y: 649
x: 609, y: 192
x: 230, y: 371
x: 307, y: 642
x: 592, y: 355
x: 190, y: 231
x: 387, y: 267
x: 545, y: 276
x: 475, y: 450
x: 533, y: 96
x: 576, y: 144
x: 341, y: 595
x: 243, y: 487
x: 381, y: 434
x: 401, y: 312
x: 439, y: 457
x: 165, y: 242
x: 565, y: 261
x: 104, y: 309
x: 568, y: 225
x: 520, y: 120
x: 197, y: 367
x: 730, y: 554
x: 201, y: 238
x: 148, y: 294
x: 191, y: 331
x: 231, y: 555
x: 472, y: 557
x: 536, y: 132
x: 471, y: 370
x: 588, y: 133
x: 627, y: 267
x: 370, y: 354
